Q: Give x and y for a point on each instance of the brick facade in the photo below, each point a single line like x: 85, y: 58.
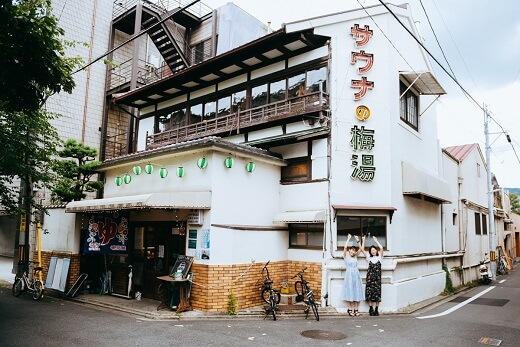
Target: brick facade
x: 212, y: 283
x: 74, y: 269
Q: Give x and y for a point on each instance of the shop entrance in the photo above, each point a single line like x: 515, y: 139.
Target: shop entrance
x: 156, y: 248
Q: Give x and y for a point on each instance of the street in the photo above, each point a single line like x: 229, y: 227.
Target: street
x: 452, y: 322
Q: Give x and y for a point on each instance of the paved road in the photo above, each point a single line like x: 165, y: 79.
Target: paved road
x: 55, y: 322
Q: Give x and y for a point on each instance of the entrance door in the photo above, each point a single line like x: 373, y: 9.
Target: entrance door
x: 156, y: 253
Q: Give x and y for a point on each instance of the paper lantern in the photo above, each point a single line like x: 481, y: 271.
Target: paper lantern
x: 229, y: 162
x: 202, y: 163
x: 163, y: 172
x: 119, y: 181
x: 137, y: 170
x: 250, y: 167
x: 180, y: 171
x: 127, y: 178
x: 148, y: 168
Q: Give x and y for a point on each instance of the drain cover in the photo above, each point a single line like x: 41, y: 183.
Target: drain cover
x: 323, y: 335
x: 491, y: 342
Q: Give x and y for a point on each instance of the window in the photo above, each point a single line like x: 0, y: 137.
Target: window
x: 296, y: 86
x: 304, y: 235
x: 259, y: 95
x: 478, y: 230
x: 297, y: 170
x: 172, y: 120
x: 239, y: 100
x: 484, y: 224
x: 224, y: 106
x: 409, y: 109
x: 195, y: 113
x: 210, y: 109
x: 361, y: 225
x: 315, y: 79
x: 277, y: 91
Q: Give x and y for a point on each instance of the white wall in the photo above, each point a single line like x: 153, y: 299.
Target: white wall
x: 61, y: 232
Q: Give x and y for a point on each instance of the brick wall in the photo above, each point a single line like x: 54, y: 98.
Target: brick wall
x: 74, y: 271
x: 212, y: 283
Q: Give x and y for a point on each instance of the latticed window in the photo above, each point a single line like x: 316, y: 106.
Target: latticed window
x: 409, y: 106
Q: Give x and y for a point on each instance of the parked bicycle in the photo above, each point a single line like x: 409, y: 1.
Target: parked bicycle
x: 270, y: 295
x: 305, y: 294
x: 34, y: 285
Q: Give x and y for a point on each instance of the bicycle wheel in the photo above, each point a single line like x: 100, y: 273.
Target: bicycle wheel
x: 299, y: 289
x: 314, y: 307
x: 272, y: 303
x: 38, y: 290
x: 17, y: 287
x: 266, y: 295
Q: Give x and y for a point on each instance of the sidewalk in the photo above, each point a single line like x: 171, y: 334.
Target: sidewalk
x: 147, y: 308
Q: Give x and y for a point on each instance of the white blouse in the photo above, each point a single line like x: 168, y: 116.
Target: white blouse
x: 375, y: 259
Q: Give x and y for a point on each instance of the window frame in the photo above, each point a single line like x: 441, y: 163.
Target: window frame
x: 368, y: 242
x: 404, y: 105
x: 299, y: 227
x: 478, y: 226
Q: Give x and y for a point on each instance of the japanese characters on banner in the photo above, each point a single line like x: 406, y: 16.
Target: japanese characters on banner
x: 362, y: 139
x: 107, y: 233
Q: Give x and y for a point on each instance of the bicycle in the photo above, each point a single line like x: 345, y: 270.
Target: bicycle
x: 270, y: 295
x: 305, y: 294
x: 33, y: 286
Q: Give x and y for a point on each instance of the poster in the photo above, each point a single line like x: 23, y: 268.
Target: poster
x: 107, y: 233
x: 182, y: 264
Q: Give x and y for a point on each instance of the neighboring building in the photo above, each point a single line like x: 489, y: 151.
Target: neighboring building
x: 515, y: 229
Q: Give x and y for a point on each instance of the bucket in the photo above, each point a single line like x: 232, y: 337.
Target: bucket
x: 137, y: 295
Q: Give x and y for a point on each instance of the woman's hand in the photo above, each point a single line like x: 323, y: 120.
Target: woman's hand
x: 374, y: 238
x: 357, y: 238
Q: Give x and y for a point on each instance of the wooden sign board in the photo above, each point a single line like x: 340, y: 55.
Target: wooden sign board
x: 183, y: 264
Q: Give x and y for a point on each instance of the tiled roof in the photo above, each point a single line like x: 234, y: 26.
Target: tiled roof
x: 461, y: 152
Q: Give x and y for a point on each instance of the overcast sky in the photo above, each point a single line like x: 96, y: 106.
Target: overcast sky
x: 481, y: 41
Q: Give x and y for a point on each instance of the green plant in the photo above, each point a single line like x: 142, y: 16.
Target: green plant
x: 458, y: 270
x: 449, y: 284
x: 232, y: 304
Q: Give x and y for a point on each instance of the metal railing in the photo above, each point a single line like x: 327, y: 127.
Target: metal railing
x: 241, y: 119
x: 146, y: 73
x: 198, y: 9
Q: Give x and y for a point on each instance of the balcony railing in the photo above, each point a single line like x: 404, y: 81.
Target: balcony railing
x: 162, y: 6
x: 242, y: 119
x: 146, y: 73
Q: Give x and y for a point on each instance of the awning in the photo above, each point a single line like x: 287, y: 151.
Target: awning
x: 180, y: 200
x: 423, y: 186
x: 424, y: 82
x: 315, y: 216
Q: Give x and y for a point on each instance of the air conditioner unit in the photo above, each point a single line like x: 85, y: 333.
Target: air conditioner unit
x: 196, y: 217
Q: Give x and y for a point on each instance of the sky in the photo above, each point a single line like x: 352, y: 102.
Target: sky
x: 481, y: 42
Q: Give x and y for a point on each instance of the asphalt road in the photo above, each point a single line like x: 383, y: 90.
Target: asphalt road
x: 55, y: 322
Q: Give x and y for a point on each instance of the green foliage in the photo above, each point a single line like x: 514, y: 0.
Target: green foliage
x: 33, y: 67
x: 515, y: 203
x: 449, y: 284
x: 75, y: 172
x: 33, y: 61
x: 232, y: 305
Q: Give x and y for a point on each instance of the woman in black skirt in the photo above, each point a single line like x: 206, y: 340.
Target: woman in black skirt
x: 373, y: 279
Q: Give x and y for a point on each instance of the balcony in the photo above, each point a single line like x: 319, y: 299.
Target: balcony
x: 312, y: 103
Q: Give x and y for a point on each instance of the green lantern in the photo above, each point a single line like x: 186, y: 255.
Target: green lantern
x: 180, y: 171
x: 137, y: 170
x: 127, y: 178
x: 229, y: 162
x: 202, y: 163
x: 250, y: 167
x: 148, y: 168
x: 163, y: 172
x: 119, y: 181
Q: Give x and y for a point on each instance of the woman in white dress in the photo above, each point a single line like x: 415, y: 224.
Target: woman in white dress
x: 352, y: 291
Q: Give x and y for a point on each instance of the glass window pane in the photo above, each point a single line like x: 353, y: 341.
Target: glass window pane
x: 195, y: 113
x: 224, y: 106
x: 297, y: 238
x: 259, y: 95
x: 239, y: 99
x: 315, y: 78
x: 315, y: 239
x: 296, y: 86
x: 374, y: 226
x: 357, y: 225
x: 145, y: 125
x: 164, y: 122
x: 172, y: 120
x: 277, y: 91
x: 210, y: 109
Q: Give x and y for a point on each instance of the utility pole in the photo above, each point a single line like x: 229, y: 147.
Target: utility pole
x: 490, y: 194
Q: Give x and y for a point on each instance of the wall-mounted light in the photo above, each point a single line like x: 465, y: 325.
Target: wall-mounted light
x: 137, y: 170
x: 148, y: 168
x: 163, y: 172
x: 127, y: 178
x: 202, y: 163
x: 250, y: 167
x: 180, y: 171
x: 229, y: 162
